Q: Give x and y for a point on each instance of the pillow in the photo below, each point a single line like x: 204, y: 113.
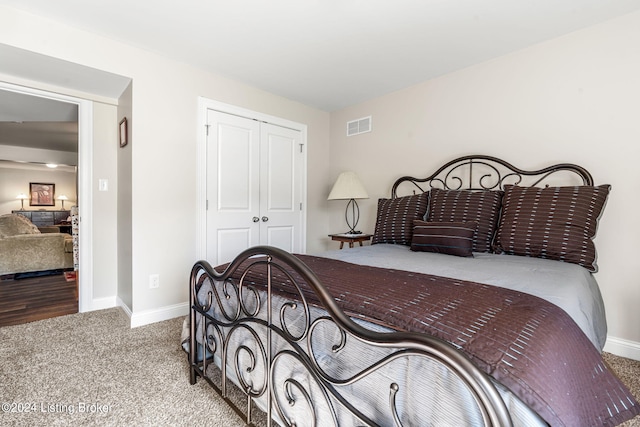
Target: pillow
x: 554, y: 222
x: 483, y: 207
x: 394, y: 221
x: 453, y: 238
x: 14, y: 224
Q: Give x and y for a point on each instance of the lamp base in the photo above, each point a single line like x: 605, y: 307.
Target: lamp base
x: 355, y: 216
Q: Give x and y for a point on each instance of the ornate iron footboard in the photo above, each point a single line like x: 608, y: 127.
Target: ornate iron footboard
x: 227, y: 305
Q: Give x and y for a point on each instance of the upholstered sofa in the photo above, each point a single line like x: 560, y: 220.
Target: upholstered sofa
x: 24, y: 248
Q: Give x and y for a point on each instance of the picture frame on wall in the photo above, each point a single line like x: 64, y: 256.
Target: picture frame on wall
x: 122, y: 132
x: 42, y: 194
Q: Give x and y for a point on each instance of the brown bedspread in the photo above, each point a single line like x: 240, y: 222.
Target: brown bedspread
x: 526, y: 343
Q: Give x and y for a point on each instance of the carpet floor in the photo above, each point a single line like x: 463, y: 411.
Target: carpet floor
x: 92, y: 369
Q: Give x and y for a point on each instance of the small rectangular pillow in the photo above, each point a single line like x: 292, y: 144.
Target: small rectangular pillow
x: 555, y: 222
x: 394, y: 220
x: 452, y: 238
x: 483, y: 207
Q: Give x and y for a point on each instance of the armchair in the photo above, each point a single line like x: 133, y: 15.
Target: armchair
x: 23, y: 248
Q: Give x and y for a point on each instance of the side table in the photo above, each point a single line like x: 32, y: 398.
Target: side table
x: 350, y: 238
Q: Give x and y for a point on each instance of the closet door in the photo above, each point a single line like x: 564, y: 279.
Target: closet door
x: 233, y: 186
x: 281, y: 181
x: 255, y: 181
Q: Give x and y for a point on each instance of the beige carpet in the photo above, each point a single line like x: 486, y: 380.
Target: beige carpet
x: 95, y: 362
x: 629, y: 372
x: 92, y: 369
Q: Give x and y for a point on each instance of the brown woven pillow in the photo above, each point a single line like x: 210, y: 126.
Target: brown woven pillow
x: 452, y: 238
x: 554, y: 222
x: 483, y: 207
x: 394, y: 221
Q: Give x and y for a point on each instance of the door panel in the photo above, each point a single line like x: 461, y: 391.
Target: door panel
x: 231, y: 242
x: 233, y: 185
x: 282, y: 237
x: 280, y: 174
x: 281, y: 194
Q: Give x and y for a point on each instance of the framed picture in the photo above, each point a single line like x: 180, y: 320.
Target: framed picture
x: 42, y: 194
x: 122, y: 132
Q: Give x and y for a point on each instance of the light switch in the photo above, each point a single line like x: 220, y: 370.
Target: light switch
x: 103, y: 184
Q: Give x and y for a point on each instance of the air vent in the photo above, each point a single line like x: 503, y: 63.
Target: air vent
x: 356, y: 127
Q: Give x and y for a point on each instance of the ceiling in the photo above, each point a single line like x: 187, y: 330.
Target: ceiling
x: 39, y: 123
x: 330, y: 54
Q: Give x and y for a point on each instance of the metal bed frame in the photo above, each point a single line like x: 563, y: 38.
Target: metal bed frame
x: 480, y: 172
x: 231, y: 288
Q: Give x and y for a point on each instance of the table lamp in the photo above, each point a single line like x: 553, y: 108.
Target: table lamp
x: 349, y: 187
x: 62, y: 198
x: 22, y: 198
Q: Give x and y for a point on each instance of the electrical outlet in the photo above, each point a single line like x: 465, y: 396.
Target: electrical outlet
x: 154, y: 281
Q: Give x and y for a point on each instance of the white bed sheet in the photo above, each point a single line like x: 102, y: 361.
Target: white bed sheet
x: 569, y: 286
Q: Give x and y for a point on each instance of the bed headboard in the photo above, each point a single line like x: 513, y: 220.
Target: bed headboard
x: 480, y: 172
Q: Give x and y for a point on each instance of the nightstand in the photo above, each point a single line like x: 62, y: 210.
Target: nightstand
x: 350, y: 238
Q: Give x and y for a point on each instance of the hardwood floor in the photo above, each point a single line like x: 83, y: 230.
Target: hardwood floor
x: 29, y: 299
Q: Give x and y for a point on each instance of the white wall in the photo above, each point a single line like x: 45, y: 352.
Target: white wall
x: 571, y: 99
x: 163, y: 159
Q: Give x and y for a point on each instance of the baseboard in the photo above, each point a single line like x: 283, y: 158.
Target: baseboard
x: 146, y: 317
x: 103, y: 303
x: 124, y: 307
x: 622, y: 347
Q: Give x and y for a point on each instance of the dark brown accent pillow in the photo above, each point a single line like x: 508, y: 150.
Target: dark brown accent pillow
x: 452, y: 238
x: 483, y: 207
x: 554, y: 222
x: 394, y: 221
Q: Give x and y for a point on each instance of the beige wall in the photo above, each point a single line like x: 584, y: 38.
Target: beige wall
x: 163, y: 160
x: 572, y: 99
x: 14, y: 181
x: 125, y: 262
x: 104, y: 205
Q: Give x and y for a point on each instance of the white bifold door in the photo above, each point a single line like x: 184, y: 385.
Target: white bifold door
x: 254, y: 186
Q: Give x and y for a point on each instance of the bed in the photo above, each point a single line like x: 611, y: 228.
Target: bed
x: 475, y: 305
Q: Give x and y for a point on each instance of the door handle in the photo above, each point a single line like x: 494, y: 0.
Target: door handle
x: 256, y: 219
x: 265, y: 219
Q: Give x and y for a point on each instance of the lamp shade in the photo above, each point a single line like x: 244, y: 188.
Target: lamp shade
x: 348, y: 186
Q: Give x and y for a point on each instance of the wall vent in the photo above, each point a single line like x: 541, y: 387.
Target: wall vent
x: 356, y: 127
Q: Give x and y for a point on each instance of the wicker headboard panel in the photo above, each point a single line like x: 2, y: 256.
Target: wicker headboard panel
x: 479, y: 172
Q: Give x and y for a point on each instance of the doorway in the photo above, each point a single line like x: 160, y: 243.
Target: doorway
x: 83, y: 176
